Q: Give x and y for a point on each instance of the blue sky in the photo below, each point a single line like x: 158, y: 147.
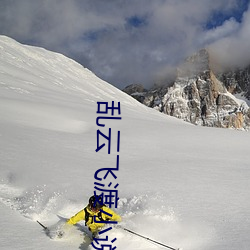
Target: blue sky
x: 218, y: 17
x: 131, y: 41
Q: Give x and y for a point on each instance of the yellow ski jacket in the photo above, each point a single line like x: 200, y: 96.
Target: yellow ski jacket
x: 88, y: 216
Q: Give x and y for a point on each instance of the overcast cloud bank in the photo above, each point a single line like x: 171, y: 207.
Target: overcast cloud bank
x: 133, y: 41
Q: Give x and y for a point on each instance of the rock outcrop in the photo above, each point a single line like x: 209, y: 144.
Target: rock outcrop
x: 201, y: 97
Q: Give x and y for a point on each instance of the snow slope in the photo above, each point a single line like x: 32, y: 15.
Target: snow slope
x: 182, y: 185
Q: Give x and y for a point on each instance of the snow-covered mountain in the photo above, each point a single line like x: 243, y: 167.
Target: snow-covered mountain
x: 237, y: 81
x: 182, y: 185
x: 201, y: 96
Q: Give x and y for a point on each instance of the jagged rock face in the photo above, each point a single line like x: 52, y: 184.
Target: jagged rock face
x: 199, y: 97
x: 137, y: 91
x: 133, y: 88
x: 237, y: 81
x: 205, y: 102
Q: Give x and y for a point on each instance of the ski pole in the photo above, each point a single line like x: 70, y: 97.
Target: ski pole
x: 45, y: 228
x: 159, y: 243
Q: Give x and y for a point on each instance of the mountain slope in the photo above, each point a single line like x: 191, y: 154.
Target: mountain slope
x: 183, y: 185
x: 199, y: 97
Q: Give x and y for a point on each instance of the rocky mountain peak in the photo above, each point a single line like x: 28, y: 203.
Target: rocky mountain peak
x: 200, y: 96
x: 197, y: 64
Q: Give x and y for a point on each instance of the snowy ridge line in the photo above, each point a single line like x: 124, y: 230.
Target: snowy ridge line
x: 34, y: 71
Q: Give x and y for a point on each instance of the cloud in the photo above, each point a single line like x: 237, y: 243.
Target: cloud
x: 228, y: 28
x: 121, y: 41
x: 232, y: 50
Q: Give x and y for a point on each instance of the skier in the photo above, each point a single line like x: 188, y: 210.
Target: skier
x: 95, y: 215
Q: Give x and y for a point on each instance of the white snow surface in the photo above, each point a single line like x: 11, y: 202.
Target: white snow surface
x: 182, y: 185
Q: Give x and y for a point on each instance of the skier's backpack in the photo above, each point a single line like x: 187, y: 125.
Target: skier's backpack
x: 87, y: 215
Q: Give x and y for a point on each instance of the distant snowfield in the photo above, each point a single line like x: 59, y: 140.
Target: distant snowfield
x: 179, y: 184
